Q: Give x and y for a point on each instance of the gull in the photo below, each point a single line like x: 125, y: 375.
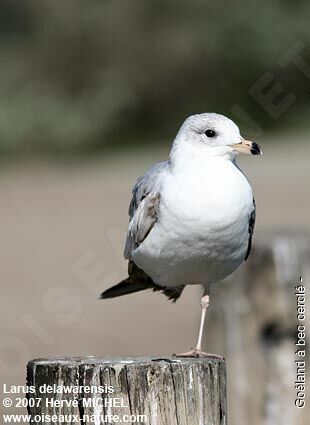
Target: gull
x: 192, y: 217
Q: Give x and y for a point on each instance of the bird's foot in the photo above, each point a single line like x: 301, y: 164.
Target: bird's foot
x: 198, y: 353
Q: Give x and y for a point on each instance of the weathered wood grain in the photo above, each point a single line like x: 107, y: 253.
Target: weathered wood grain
x: 174, y: 391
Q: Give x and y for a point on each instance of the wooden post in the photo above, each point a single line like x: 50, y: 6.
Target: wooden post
x: 163, y: 391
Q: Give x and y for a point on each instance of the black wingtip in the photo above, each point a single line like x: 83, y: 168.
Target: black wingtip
x: 125, y: 287
x: 114, y: 291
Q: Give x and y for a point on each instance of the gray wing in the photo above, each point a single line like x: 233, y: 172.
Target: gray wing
x: 251, y: 229
x: 144, y: 205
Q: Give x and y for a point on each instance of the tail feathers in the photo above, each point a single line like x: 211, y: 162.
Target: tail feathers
x: 138, y: 280
x: 125, y: 287
x: 171, y: 293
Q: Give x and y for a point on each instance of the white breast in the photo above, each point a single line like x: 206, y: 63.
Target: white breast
x: 202, y: 231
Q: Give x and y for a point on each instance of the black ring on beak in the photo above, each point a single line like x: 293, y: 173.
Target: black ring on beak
x: 255, y: 149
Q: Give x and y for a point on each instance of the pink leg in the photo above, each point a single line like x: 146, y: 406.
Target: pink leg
x: 197, y: 352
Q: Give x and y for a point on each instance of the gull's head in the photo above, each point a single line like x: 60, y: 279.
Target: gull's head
x: 215, y: 135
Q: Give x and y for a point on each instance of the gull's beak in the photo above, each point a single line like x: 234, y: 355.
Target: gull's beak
x: 246, y: 146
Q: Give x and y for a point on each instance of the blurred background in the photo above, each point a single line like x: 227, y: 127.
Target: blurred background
x: 92, y: 94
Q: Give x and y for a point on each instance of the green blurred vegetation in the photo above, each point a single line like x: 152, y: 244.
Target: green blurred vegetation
x: 82, y: 76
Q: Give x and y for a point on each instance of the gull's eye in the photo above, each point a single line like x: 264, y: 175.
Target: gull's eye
x: 210, y: 133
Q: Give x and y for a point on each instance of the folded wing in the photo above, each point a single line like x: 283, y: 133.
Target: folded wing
x: 144, y: 206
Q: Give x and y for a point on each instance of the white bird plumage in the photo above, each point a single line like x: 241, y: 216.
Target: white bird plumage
x: 191, y: 217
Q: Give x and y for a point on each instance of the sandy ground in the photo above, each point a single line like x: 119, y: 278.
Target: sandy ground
x: 62, y: 233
